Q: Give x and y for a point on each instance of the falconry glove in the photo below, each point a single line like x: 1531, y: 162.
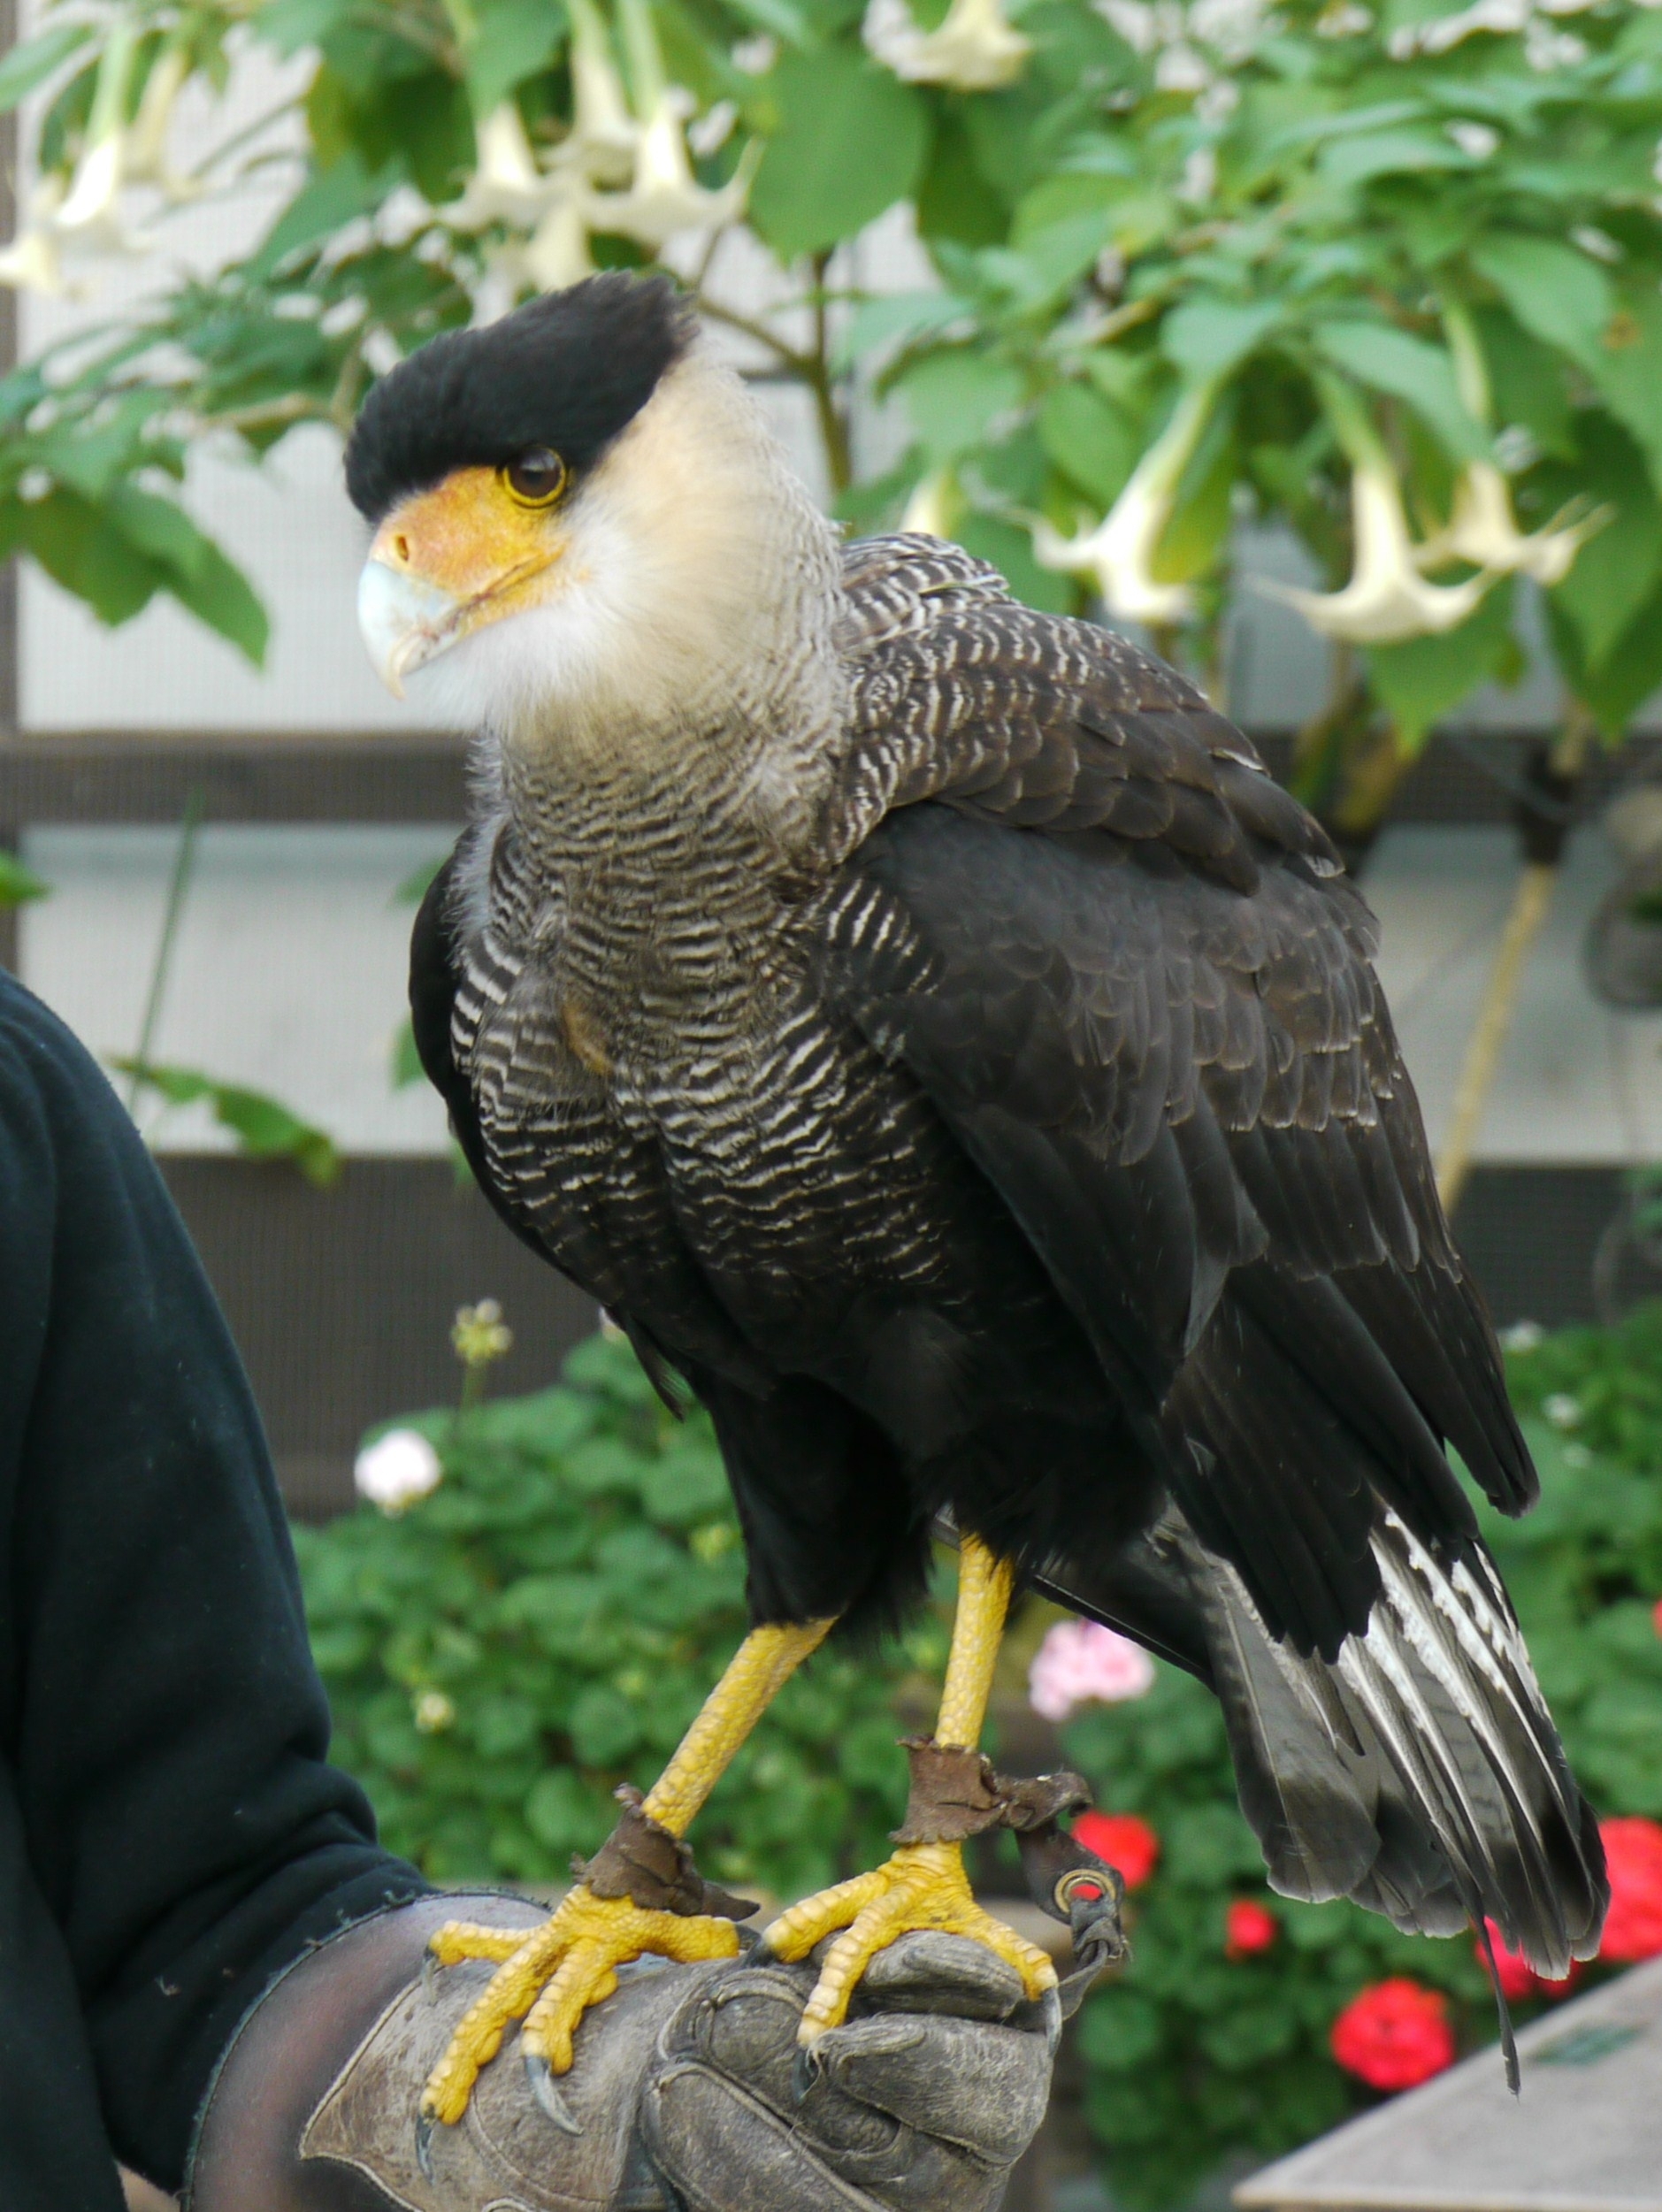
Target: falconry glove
x: 689, y: 2089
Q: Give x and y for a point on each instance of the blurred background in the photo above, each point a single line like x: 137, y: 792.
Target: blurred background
x: 1319, y: 346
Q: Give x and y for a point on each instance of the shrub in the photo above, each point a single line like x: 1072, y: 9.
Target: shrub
x: 544, y: 1623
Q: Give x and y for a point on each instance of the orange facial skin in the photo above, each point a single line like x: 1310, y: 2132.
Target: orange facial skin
x: 469, y: 537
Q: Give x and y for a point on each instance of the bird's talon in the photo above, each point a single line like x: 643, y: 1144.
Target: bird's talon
x: 1050, y: 2015
x: 804, y: 2070
x: 425, y: 2124
x: 546, y: 2090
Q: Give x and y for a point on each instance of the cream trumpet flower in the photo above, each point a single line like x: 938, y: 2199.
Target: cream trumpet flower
x: 664, y: 196
x: 1118, y: 554
x: 604, y: 134
x: 556, y: 253
x: 145, y: 154
x: 1484, y: 530
x: 506, y: 186
x: 1387, y: 599
x: 90, y: 215
x: 973, y: 49
x: 935, y: 507
x: 32, y: 262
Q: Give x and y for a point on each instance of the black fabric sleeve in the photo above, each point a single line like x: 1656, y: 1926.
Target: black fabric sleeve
x: 164, y: 1728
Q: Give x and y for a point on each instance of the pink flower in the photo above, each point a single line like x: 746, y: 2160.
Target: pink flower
x: 1633, y: 1852
x: 1395, y: 2035
x: 1248, y: 1928
x: 1656, y: 1616
x: 1129, y: 1845
x: 1081, y: 1659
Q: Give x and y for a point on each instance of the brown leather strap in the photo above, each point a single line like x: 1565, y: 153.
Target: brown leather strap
x: 957, y: 1794
x: 646, y: 1862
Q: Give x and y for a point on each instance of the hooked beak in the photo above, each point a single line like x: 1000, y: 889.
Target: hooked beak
x: 406, y: 622
x: 446, y: 562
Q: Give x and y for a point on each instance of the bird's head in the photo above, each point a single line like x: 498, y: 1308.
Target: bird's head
x: 582, y: 524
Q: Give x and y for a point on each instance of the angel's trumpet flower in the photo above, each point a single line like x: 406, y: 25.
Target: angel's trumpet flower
x: 604, y: 134
x: 556, y: 253
x: 145, y: 160
x: 31, y: 262
x: 664, y: 196
x: 91, y: 211
x: 506, y: 186
x: 973, y: 49
x: 1482, y: 528
x: 935, y: 507
x: 1387, y: 599
x: 1118, y: 554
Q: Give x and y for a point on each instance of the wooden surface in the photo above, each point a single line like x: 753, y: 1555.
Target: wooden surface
x: 1584, y: 2136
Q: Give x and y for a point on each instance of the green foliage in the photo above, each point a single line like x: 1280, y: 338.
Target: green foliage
x: 264, y: 1126
x: 545, y: 1625
x: 19, y: 884
x: 1297, y: 213
x: 1191, y: 2055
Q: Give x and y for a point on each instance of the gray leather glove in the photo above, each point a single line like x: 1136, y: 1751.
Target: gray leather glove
x: 688, y: 2090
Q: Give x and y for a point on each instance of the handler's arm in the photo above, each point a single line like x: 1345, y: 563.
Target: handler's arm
x: 162, y: 1718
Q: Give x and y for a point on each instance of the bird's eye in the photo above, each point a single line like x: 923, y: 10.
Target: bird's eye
x: 537, y: 477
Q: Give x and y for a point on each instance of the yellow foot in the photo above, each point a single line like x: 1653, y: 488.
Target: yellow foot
x: 924, y: 1886
x: 549, y: 1978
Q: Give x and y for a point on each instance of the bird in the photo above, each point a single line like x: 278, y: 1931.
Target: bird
x: 926, y: 1027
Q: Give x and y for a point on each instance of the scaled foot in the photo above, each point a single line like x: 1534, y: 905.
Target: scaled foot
x: 924, y: 1886
x: 639, y: 1894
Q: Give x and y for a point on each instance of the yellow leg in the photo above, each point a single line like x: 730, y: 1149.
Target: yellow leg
x: 550, y: 1976
x: 923, y: 1885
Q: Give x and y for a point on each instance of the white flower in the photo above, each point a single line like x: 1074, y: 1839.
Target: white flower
x: 146, y: 152
x: 604, y: 134
x: 935, y: 506
x: 1080, y: 1660
x: 31, y: 262
x: 397, y: 1469
x: 1441, y: 32
x: 1179, y: 69
x: 1118, y: 555
x: 506, y: 186
x: 664, y: 196
x: 973, y: 49
x: 1478, y: 140
x: 434, y: 1712
x: 1484, y: 530
x: 1523, y: 1337
x: 1387, y: 599
x: 1562, y: 1410
x: 556, y: 253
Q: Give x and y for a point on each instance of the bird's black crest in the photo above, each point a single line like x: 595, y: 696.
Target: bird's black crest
x: 569, y: 370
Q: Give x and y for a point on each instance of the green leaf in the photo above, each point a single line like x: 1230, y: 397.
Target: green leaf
x: 1091, y: 440
x: 1626, y: 674
x: 32, y: 63
x: 1422, y: 680
x: 406, y: 1060
x: 516, y: 39
x: 264, y: 1127
x: 1626, y: 371
x: 1616, y: 570
x: 1558, y: 294
x: 69, y: 538
x: 327, y: 202
x: 19, y: 884
x: 218, y: 594
x: 1206, y: 338
x: 288, y: 25
x: 953, y: 398
x: 1391, y: 361
x: 850, y: 142
x: 1353, y: 161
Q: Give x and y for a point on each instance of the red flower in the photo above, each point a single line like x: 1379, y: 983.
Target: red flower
x: 1129, y: 1845
x: 1248, y: 1928
x: 1517, y: 1978
x: 1656, y: 1616
x: 1633, y: 1852
x: 1395, y: 2035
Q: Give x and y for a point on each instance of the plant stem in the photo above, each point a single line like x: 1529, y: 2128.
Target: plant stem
x: 1532, y: 901
x: 184, y: 860
x: 1530, y: 905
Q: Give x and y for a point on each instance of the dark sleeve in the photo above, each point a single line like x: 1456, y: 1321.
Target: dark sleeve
x: 165, y: 1727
